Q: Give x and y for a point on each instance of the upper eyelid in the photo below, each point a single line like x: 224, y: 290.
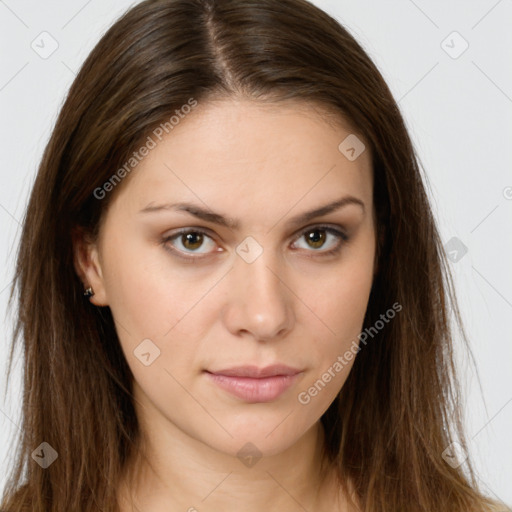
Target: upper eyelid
x: 212, y: 234
x: 342, y: 231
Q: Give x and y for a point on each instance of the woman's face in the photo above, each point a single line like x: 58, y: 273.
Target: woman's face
x: 253, y: 280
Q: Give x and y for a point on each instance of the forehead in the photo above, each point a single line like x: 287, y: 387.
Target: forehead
x: 243, y: 153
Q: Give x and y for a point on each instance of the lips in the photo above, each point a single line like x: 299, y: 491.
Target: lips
x: 256, y: 373
x: 253, y: 384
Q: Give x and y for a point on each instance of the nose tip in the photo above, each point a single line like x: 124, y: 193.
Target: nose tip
x: 266, y: 328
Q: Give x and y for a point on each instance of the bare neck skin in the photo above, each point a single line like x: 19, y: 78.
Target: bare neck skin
x: 186, y: 475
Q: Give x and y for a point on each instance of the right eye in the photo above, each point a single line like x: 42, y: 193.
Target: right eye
x: 188, y: 241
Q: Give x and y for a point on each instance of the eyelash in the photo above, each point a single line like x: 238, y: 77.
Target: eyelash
x: 329, y: 229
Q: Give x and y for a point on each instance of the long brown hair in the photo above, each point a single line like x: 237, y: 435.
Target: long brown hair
x: 399, y: 408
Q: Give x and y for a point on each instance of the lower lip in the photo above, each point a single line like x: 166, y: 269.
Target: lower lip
x: 254, y: 390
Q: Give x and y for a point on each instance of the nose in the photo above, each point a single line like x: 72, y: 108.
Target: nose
x: 259, y: 302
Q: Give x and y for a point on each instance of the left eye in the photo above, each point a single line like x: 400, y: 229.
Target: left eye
x: 316, y: 238
x: 189, y: 241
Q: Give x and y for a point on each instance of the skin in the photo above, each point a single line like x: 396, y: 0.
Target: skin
x: 259, y: 164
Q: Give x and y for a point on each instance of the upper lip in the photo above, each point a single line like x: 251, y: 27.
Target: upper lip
x: 256, y: 372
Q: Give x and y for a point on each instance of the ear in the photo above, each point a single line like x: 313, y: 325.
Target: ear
x: 87, y: 265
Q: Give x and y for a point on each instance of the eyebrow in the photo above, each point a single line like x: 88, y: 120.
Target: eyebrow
x: 217, y: 218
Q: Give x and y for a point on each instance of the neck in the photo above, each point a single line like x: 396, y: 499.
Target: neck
x: 182, y: 473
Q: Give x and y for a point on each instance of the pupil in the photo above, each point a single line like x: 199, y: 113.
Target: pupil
x: 194, y: 239
x: 317, y: 240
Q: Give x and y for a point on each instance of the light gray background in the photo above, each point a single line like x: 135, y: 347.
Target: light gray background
x: 459, y: 113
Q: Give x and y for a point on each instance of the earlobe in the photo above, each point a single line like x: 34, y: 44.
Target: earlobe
x: 88, y: 268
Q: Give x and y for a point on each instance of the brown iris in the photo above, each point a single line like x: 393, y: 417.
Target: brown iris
x: 192, y: 240
x: 316, y: 238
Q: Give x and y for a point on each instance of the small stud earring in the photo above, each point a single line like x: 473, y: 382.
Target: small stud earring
x: 88, y: 292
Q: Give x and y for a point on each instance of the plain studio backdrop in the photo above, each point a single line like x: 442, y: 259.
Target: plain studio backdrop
x: 448, y: 67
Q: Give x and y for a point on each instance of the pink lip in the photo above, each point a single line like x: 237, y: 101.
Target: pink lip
x: 254, y: 384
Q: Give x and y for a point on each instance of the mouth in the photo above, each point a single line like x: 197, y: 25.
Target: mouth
x: 255, y: 385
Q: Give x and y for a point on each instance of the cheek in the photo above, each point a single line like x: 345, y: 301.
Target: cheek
x: 342, y: 299
x: 147, y: 291
x: 340, y: 303
x: 161, y: 308
x: 341, y: 308
x: 345, y: 303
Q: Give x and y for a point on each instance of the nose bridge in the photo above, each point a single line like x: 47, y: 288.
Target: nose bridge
x: 258, y: 301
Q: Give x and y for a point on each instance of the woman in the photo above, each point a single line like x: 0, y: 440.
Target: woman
x: 232, y: 292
